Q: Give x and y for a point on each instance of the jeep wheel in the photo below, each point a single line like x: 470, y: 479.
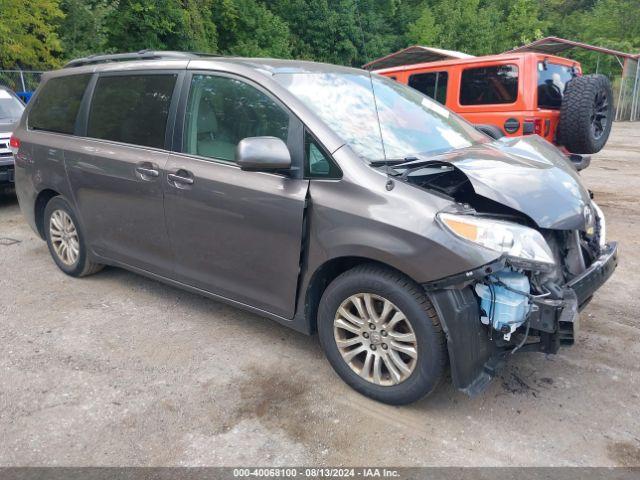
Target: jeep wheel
x: 586, y: 114
x: 65, y: 239
x: 382, y: 335
x: 494, y: 132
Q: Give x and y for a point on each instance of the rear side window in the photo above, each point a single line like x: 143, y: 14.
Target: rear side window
x: 131, y: 109
x: 432, y: 84
x: 552, y: 81
x: 489, y: 85
x: 56, y: 107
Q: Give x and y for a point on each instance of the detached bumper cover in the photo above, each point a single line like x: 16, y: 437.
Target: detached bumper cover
x: 475, y: 356
x: 585, y: 284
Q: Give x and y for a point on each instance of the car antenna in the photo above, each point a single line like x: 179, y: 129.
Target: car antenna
x: 364, y: 45
x: 389, y: 185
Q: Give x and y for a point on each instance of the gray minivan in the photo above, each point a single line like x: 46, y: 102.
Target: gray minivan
x: 326, y: 198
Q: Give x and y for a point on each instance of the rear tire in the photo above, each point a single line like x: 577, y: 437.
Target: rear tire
x: 66, y: 241
x: 401, y: 378
x: 586, y: 114
x: 494, y: 132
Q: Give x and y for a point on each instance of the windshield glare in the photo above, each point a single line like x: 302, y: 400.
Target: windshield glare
x: 379, y: 118
x: 10, y: 106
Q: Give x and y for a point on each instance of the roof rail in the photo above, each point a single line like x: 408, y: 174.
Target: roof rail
x: 122, y: 57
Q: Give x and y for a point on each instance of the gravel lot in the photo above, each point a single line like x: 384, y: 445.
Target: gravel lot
x: 116, y: 369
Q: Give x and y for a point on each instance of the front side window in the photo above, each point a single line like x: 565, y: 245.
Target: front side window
x: 10, y: 107
x: 552, y: 81
x: 318, y: 163
x: 432, y: 84
x: 492, y: 85
x: 380, y: 119
x: 56, y: 106
x: 131, y: 109
x: 221, y: 111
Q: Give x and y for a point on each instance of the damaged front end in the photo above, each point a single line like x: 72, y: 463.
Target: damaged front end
x: 552, y: 255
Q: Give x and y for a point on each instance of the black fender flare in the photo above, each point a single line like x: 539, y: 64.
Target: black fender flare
x: 473, y: 357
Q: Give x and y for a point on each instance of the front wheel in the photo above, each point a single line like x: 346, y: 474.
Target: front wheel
x: 382, y: 335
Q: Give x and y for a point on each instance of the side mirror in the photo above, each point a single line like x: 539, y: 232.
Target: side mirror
x: 263, y: 154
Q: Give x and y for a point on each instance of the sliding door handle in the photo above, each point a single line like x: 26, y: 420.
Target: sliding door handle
x: 175, y: 178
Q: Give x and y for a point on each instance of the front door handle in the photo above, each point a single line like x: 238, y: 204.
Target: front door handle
x: 181, y: 177
x: 148, y: 172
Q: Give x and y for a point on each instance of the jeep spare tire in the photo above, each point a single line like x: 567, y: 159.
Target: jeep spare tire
x: 586, y: 114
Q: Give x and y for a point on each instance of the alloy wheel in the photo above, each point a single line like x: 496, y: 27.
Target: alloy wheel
x: 599, y: 118
x: 64, y: 237
x: 375, y: 339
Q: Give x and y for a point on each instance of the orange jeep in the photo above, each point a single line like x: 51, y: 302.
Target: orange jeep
x: 520, y: 94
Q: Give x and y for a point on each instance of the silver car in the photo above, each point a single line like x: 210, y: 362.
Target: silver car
x: 11, y: 108
x: 325, y: 198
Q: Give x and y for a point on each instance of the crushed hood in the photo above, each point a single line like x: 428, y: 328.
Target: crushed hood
x: 527, y: 174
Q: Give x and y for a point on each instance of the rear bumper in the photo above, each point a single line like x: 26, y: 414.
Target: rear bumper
x: 7, y: 170
x: 475, y: 356
x: 580, y: 162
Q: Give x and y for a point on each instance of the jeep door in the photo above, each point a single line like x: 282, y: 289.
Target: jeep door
x: 234, y: 233
x: 116, y: 170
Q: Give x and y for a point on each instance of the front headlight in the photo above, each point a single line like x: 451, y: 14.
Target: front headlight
x: 516, y: 241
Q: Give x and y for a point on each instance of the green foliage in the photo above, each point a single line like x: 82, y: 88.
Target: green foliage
x: 83, y: 31
x: 43, y: 33
x: 28, y: 33
x: 248, y: 28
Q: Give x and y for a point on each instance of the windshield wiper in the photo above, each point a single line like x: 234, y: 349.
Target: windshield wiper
x: 392, y: 162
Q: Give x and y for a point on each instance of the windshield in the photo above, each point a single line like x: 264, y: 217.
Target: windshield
x: 379, y: 118
x: 10, y: 106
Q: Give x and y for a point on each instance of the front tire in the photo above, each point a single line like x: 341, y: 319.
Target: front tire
x: 65, y: 239
x: 382, y: 335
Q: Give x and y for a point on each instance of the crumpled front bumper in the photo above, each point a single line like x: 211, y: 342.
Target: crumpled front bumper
x: 557, y: 320
x: 475, y: 356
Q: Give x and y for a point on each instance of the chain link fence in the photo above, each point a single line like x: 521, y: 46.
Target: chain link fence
x: 23, y: 82
x: 628, y: 92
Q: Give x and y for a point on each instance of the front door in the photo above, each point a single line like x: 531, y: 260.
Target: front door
x: 116, y: 173
x: 234, y: 233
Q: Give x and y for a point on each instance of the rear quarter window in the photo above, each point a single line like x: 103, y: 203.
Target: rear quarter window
x: 552, y: 82
x: 496, y: 84
x: 432, y: 84
x: 131, y: 109
x: 56, y: 107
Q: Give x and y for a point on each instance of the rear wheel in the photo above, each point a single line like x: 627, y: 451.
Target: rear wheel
x: 382, y: 335
x: 494, y: 132
x: 65, y: 239
x: 586, y: 114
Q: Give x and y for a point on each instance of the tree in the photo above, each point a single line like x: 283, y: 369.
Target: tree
x: 249, y: 28
x: 83, y: 31
x: 424, y: 31
x: 161, y: 24
x: 521, y: 23
x: 28, y: 36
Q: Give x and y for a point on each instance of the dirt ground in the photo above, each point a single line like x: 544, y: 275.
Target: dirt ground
x: 116, y: 369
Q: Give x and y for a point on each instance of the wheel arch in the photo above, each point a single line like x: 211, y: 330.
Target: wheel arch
x: 43, y: 197
x: 325, y: 274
